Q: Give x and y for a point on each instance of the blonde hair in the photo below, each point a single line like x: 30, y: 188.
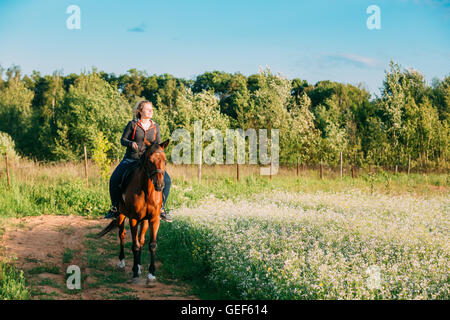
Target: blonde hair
x: 139, y: 106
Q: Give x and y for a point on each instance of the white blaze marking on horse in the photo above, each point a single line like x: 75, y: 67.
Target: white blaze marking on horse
x: 123, y: 197
x: 139, y: 269
x: 121, y: 263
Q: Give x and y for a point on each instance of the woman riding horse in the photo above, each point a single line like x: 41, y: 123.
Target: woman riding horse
x: 134, y: 136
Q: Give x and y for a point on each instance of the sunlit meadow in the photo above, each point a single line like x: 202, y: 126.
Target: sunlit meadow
x: 284, y: 245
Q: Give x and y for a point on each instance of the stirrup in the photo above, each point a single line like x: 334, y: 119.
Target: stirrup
x: 112, y: 213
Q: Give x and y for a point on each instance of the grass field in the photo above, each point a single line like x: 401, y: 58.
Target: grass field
x: 378, y: 236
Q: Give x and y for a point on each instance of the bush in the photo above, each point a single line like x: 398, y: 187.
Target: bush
x: 7, y: 145
x: 100, y: 156
x: 12, y: 283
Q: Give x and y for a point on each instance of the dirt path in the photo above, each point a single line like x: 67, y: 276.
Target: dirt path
x: 46, y: 245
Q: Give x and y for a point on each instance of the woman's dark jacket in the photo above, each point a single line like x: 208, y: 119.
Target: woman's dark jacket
x: 134, y: 132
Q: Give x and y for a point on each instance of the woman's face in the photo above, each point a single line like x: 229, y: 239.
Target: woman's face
x: 147, y: 111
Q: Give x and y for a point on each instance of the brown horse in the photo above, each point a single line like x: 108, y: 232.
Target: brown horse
x: 141, y: 204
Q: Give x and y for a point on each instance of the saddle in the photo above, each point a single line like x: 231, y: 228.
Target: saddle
x: 127, y: 175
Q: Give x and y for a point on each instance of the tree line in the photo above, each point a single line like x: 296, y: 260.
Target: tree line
x: 52, y: 117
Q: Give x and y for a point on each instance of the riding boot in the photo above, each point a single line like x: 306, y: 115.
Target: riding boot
x: 165, y: 215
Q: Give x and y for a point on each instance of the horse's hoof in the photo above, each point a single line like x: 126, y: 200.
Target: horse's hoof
x: 121, y: 265
x: 151, y: 280
x: 136, y: 280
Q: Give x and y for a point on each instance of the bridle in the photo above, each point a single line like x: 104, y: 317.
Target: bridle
x: 156, y: 170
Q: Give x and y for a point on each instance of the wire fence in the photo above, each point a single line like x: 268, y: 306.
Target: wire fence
x: 87, y: 169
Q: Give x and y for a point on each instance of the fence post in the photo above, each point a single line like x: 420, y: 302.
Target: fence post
x: 237, y: 171
x: 409, y: 163
x: 86, y: 167
x: 341, y: 165
x: 297, y: 166
x: 270, y: 168
x: 353, y: 171
x: 199, y: 168
x: 7, y: 170
x: 321, y: 169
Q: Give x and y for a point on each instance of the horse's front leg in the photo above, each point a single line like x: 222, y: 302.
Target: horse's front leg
x: 154, y: 226
x: 122, y: 233
x: 142, y: 232
x: 136, y: 247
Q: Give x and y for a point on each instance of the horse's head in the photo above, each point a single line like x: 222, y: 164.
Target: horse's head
x: 154, y: 162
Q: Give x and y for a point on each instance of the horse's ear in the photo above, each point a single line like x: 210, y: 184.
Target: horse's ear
x: 164, y: 144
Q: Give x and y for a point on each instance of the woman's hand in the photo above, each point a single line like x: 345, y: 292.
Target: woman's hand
x: 134, y: 146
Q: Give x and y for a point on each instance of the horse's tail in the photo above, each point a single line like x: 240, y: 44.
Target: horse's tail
x: 108, y: 228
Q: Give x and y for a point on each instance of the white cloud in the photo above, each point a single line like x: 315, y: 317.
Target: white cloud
x: 349, y: 58
x: 370, y: 62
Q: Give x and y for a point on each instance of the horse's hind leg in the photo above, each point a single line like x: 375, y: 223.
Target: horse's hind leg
x: 122, y: 233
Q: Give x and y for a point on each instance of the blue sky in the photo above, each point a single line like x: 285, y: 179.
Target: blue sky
x: 311, y: 40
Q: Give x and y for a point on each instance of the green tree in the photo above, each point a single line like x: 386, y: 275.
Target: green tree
x: 48, y: 95
x: 15, y: 110
x: 131, y: 84
x: 302, y: 139
x: 268, y: 105
x: 91, y: 106
x: 235, y: 96
x: 393, y: 100
x: 440, y: 95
